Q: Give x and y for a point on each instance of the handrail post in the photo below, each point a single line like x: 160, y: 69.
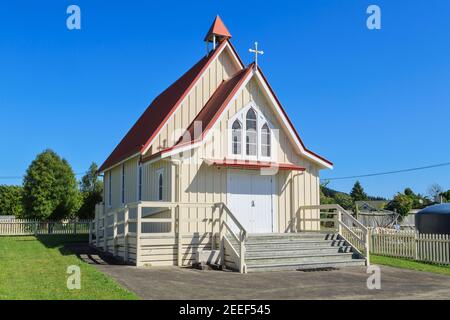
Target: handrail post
x: 138, y: 235
x: 105, y: 241
x: 221, y: 235
x: 115, y: 251
x: 125, y: 234
x: 179, y: 236
x: 339, y: 221
x: 242, y: 252
x: 367, y: 247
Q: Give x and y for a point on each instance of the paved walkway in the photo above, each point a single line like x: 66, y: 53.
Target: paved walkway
x: 346, y: 283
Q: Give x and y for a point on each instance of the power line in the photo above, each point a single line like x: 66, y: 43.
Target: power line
x: 389, y: 172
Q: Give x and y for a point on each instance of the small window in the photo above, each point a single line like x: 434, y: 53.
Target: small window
x: 109, y: 189
x: 122, y: 198
x: 236, y: 137
x: 139, y: 183
x: 251, y: 133
x: 265, y: 141
x: 160, y: 186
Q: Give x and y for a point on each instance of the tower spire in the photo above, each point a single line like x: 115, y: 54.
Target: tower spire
x: 217, y: 32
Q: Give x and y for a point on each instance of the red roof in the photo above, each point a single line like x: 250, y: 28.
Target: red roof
x: 233, y: 163
x: 158, y: 113
x: 218, y: 28
x: 214, y: 107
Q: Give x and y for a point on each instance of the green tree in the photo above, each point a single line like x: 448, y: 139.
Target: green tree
x: 344, y: 200
x: 446, y: 196
x: 401, y: 204
x: 358, y: 193
x: 50, y: 188
x: 91, y: 190
x: 11, y: 201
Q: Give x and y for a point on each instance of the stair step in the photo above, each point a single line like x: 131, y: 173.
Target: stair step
x: 296, y: 251
x: 309, y: 265
x: 298, y: 259
x: 313, y: 235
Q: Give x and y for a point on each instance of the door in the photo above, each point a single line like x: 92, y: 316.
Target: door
x: 250, y: 199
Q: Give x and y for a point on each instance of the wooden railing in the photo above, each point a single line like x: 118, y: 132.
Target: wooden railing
x: 333, y: 217
x: 228, y: 222
x: 175, y: 223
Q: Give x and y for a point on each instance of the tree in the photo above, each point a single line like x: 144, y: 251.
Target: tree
x: 446, y: 196
x: 344, y: 200
x: 50, y: 188
x: 11, y: 201
x: 401, y: 204
x: 435, y: 191
x: 358, y: 193
x: 91, y: 190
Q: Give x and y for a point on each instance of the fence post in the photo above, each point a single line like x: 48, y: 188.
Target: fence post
x: 36, y: 227
x: 367, y: 247
x: 74, y: 226
x: 416, y: 246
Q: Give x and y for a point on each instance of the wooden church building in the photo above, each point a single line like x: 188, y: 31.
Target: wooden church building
x: 212, y: 162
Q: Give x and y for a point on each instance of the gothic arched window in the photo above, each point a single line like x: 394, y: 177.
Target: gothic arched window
x: 251, y: 133
x: 265, y: 141
x: 236, y: 137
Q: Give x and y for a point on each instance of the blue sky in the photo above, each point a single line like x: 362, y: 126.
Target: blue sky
x: 370, y: 101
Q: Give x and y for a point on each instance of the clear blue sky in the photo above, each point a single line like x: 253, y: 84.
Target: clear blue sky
x: 368, y: 100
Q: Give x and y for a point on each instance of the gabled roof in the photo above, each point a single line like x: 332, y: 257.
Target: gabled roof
x: 218, y: 28
x: 217, y: 105
x: 214, y: 107
x: 159, y: 111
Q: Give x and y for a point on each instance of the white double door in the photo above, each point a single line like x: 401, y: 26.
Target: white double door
x: 250, y: 199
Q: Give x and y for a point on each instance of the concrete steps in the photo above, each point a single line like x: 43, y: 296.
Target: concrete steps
x: 296, y: 251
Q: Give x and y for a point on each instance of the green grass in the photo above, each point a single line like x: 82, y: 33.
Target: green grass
x: 36, y: 268
x: 409, y: 264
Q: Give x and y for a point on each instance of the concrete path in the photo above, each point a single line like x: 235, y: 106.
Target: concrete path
x: 346, y: 283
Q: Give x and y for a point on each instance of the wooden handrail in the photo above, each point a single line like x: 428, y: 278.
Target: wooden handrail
x: 364, y: 240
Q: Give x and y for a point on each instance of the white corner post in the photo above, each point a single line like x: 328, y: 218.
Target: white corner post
x: 138, y: 235
x: 125, y: 234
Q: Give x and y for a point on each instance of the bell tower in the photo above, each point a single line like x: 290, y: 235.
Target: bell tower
x: 216, y: 33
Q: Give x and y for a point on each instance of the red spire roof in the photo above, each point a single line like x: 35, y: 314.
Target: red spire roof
x: 218, y: 28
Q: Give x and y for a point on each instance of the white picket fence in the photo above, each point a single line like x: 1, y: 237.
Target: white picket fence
x: 432, y: 248
x: 23, y: 227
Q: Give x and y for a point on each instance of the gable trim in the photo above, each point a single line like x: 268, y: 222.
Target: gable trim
x: 216, y: 54
x: 206, y: 134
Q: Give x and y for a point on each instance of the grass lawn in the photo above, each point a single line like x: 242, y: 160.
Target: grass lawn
x: 36, y: 268
x: 409, y: 264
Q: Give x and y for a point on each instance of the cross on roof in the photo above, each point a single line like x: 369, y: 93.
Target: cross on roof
x: 256, y: 52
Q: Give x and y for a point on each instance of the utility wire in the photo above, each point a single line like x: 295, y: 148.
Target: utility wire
x: 389, y: 172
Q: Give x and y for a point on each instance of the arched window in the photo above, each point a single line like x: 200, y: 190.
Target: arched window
x: 265, y: 141
x: 236, y: 136
x: 251, y: 133
x: 160, y: 186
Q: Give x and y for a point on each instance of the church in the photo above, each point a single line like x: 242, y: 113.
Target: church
x: 212, y: 162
